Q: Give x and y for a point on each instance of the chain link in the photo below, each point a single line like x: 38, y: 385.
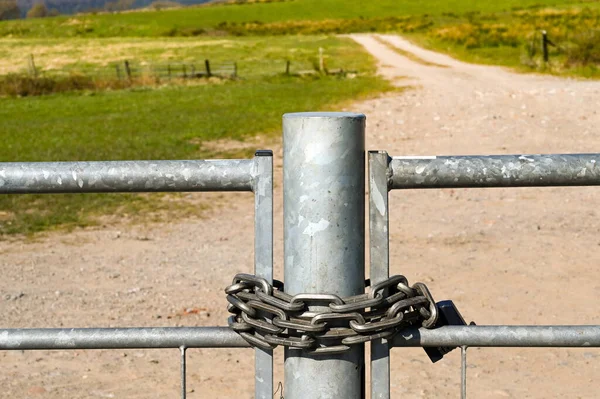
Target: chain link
x: 266, y: 317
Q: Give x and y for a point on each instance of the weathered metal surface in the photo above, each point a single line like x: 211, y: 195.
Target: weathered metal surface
x: 324, y: 203
x: 183, y: 372
x: 125, y: 176
x: 263, y: 258
x: 502, y: 336
x: 495, y: 171
x: 120, y: 338
x: 265, y: 316
x: 224, y: 337
x: 379, y: 255
x: 463, y: 372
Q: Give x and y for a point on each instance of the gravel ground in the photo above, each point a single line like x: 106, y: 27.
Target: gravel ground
x: 506, y: 256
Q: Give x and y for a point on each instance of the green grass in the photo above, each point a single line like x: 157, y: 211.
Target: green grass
x: 256, y: 56
x: 490, y: 32
x: 170, y: 122
x: 198, y: 20
x: 513, y: 39
x: 173, y: 121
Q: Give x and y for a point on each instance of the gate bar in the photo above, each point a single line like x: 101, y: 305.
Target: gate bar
x: 324, y: 238
x: 495, y: 171
x: 224, y: 337
x: 125, y: 176
x: 502, y: 336
x: 120, y: 338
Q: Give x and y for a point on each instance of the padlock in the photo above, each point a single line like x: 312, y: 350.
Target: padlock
x: 448, y: 315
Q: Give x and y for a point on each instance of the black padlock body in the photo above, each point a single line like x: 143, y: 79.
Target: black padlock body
x: 448, y: 315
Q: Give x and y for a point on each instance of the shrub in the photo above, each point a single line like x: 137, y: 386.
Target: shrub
x: 119, y: 5
x: 19, y: 85
x: 39, y: 10
x: 335, y: 26
x: 9, y: 10
x: 477, y: 35
x: 585, y: 49
x: 164, y: 4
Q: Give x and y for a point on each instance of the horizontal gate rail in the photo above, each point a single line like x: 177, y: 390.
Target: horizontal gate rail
x: 495, y: 171
x: 120, y: 338
x: 502, y: 336
x: 224, y: 337
x: 126, y: 176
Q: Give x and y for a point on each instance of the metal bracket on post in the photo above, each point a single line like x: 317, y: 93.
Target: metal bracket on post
x: 379, y: 254
x: 324, y: 237
x: 262, y: 186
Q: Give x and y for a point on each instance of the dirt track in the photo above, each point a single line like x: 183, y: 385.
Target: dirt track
x: 520, y: 256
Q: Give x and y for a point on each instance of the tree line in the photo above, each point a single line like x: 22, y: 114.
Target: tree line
x: 15, y: 9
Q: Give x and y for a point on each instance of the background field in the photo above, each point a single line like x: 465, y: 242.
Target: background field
x: 255, y: 56
x: 194, y: 21
x: 494, y: 32
x: 175, y: 119
x: 170, y: 121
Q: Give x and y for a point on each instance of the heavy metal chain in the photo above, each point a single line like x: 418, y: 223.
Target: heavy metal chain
x: 265, y: 316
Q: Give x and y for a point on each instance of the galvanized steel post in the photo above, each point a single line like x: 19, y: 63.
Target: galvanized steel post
x: 263, y: 258
x: 379, y: 265
x: 324, y: 237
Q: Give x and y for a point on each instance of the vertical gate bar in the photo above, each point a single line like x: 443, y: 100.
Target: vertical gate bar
x: 379, y: 252
x: 463, y: 372
x: 263, y: 258
x: 182, y: 350
x: 324, y: 238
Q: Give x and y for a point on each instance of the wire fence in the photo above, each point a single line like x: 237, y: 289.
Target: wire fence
x: 224, y: 69
x: 579, y: 48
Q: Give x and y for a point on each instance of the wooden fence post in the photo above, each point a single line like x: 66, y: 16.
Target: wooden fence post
x: 545, y: 45
x: 32, y: 68
x: 128, y: 70
x: 287, y: 67
x: 235, y: 72
x: 207, y: 64
x: 321, y: 61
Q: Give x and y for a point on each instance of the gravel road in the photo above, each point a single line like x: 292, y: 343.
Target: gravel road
x: 505, y: 256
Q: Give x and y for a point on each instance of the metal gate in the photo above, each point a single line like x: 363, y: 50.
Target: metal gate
x: 324, y: 242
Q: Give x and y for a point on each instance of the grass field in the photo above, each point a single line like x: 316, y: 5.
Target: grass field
x: 493, y: 32
x: 514, y: 39
x: 170, y: 122
x: 255, y: 56
x: 207, y: 19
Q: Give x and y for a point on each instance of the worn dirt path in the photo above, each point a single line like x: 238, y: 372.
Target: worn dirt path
x: 520, y: 256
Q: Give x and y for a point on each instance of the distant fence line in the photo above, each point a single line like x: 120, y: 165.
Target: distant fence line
x: 128, y: 70
x: 34, y: 81
x: 190, y: 70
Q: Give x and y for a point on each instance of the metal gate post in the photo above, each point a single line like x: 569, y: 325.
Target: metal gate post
x: 263, y: 258
x: 379, y: 251
x: 324, y: 237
